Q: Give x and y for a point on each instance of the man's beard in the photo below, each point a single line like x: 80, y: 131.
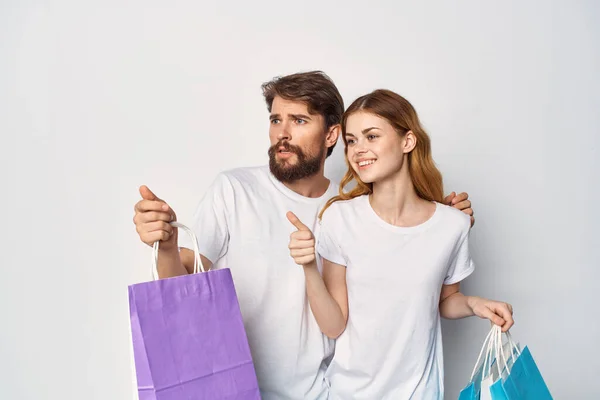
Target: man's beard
x: 305, y: 166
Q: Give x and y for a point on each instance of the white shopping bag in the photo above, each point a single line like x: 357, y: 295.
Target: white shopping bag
x: 497, y: 365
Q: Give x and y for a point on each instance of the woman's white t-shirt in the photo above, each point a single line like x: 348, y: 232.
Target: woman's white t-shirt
x: 392, y: 345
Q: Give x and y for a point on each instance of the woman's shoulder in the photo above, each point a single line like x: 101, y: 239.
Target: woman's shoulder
x: 343, y: 208
x: 455, y: 218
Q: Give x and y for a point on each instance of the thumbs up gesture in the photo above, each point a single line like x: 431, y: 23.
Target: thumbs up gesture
x: 302, y: 242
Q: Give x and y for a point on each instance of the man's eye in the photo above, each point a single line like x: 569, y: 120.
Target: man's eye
x: 300, y: 121
x: 275, y: 121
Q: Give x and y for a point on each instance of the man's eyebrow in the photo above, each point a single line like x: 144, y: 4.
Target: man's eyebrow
x: 293, y: 116
x: 301, y: 116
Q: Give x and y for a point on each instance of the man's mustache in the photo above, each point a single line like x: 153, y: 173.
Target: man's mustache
x: 287, y: 147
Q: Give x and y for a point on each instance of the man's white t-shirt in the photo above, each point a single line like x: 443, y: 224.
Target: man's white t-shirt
x: 241, y: 224
x: 392, y: 345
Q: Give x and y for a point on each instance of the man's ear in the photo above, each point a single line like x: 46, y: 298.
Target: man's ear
x: 332, y: 135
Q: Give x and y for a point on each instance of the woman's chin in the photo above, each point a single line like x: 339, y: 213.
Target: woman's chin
x: 366, y: 178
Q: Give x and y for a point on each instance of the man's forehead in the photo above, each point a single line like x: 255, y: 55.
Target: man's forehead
x: 285, y: 106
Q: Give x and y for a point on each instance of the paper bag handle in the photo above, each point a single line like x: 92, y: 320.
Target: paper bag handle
x: 485, y: 348
x: 197, y: 261
x: 492, y: 346
x: 500, y: 350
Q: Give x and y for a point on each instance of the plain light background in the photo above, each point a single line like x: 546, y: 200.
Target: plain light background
x: 99, y: 98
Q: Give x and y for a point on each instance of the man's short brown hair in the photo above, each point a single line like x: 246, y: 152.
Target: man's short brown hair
x: 313, y: 88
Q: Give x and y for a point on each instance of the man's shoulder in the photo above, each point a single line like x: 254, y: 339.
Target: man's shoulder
x: 245, y: 175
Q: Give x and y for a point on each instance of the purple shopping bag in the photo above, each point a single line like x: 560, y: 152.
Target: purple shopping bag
x: 188, y: 337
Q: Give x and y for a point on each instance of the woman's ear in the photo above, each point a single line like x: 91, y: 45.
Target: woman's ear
x: 410, y: 142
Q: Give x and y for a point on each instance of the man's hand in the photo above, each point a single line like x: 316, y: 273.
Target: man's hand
x: 152, y: 220
x: 462, y: 203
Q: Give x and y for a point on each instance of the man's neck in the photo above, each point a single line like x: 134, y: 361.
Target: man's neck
x: 312, y: 186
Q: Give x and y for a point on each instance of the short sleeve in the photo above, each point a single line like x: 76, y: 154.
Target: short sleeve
x: 328, y: 245
x: 210, y: 221
x: 461, y: 265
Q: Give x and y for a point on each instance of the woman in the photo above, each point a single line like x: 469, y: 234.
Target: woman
x: 393, y: 258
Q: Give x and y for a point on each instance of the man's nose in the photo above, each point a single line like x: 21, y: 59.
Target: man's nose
x: 284, y: 133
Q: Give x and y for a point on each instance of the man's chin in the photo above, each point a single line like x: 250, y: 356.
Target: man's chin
x: 286, y: 158
x: 286, y: 163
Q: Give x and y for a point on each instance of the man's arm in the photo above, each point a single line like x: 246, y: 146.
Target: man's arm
x: 187, y: 259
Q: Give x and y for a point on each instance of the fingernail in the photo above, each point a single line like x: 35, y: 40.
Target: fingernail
x: 165, y: 207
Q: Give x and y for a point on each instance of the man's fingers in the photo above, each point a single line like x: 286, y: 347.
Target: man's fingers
x: 463, y: 205
x: 448, y: 199
x: 150, y: 201
x: 154, y: 231
x: 296, y: 222
x: 151, y: 237
x: 147, y: 194
x: 459, y: 198
x: 152, y: 216
x: 152, y: 205
x: 157, y: 226
x: 468, y: 211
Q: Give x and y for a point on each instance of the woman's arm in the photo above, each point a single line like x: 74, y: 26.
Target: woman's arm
x: 455, y: 305
x: 328, y: 297
x: 327, y: 294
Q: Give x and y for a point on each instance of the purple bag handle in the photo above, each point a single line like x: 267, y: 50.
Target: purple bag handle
x: 197, y: 262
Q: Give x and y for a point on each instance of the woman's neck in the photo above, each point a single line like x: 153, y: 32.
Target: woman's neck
x: 395, y: 200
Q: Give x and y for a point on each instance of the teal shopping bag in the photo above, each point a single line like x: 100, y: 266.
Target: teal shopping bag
x: 524, y: 381
x: 486, y: 369
x: 472, y: 390
x: 513, y: 373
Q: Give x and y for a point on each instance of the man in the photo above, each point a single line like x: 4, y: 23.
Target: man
x: 241, y: 224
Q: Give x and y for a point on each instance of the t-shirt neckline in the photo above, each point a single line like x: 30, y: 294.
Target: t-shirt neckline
x: 399, y: 229
x: 296, y: 196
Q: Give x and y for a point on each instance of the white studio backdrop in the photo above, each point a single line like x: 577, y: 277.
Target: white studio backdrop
x: 97, y: 98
